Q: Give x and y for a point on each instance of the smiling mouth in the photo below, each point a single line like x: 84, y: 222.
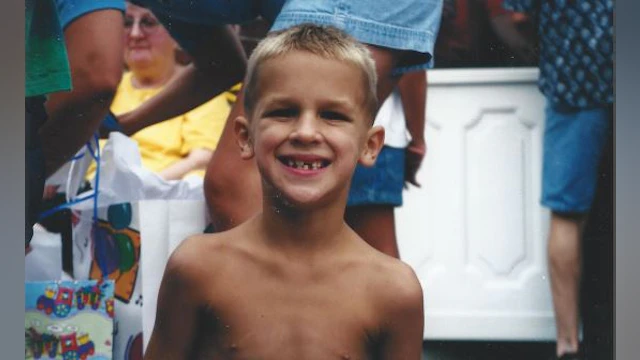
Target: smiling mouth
x: 304, y: 164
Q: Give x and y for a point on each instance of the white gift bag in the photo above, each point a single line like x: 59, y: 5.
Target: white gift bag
x: 128, y: 235
x: 44, y: 261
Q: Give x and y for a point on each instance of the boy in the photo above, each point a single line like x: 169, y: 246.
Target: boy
x: 295, y: 282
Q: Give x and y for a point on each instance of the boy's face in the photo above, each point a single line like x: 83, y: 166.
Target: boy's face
x: 309, y: 128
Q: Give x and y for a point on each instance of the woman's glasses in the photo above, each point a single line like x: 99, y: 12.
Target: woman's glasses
x: 147, y: 24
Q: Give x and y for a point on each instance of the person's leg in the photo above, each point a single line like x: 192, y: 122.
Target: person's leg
x: 376, y: 225
x: 573, y: 143
x: 565, y: 269
x: 598, y: 264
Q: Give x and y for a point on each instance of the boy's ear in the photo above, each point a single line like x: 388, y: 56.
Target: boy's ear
x: 243, y: 138
x: 375, y: 141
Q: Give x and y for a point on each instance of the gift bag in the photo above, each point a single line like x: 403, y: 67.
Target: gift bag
x: 44, y: 261
x: 127, y: 235
x: 130, y: 244
x: 69, y: 319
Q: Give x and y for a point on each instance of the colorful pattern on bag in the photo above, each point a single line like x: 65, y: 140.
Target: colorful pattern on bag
x: 69, y: 320
x: 116, y: 251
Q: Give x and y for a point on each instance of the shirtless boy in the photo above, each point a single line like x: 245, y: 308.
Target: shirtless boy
x: 295, y: 282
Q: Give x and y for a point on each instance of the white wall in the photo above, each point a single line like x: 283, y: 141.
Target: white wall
x: 475, y: 232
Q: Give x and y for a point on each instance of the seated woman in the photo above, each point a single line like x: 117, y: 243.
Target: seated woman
x: 179, y: 146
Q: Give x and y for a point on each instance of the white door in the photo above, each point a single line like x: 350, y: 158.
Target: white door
x: 475, y: 232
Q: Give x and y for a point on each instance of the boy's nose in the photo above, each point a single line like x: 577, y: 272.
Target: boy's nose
x: 306, y: 130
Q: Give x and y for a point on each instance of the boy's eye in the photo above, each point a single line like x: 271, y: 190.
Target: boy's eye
x: 281, y: 113
x: 333, y: 115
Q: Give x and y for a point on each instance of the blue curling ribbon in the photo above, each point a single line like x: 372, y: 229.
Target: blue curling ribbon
x: 96, y: 155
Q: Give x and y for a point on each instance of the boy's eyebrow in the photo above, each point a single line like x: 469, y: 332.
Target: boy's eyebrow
x: 276, y: 100
x: 340, y: 103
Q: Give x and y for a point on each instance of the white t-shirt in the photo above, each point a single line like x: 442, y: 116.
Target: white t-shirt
x: 391, y: 118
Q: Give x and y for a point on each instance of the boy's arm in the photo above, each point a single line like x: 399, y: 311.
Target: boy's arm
x: 175, y: 325
x: 403, y: 335
x: 218, y: 64
x: 413, y: 93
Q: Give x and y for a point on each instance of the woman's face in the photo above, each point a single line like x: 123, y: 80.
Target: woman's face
x: 147, y: 42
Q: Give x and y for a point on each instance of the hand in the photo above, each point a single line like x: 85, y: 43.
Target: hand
x: 414, y: 154
x: 50, y: 192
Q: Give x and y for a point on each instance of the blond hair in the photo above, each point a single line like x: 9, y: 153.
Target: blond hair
x: 325, y: 41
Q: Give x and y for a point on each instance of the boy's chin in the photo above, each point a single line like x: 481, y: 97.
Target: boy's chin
x: 300, y: 201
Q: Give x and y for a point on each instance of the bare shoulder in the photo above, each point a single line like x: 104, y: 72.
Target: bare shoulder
x: 390, y: 279
x: 397, y: 281
x: 398, y: 297
x: 197, y: 256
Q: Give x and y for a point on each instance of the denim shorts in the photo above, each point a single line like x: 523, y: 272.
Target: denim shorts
x: 573, y: 146
x: 69, y: 10
x: 410, y: 25
x: 381, y: 184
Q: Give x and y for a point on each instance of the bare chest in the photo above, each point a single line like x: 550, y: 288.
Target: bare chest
x: 277, y: 318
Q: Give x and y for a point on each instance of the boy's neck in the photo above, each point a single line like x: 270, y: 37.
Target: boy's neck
x: 299, y: 230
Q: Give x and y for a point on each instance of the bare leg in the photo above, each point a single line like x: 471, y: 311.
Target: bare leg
x: 375, y: 224
x: 565, y: 261
x: 231, y: 185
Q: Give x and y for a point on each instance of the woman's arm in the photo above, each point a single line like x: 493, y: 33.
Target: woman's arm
x: 218, y: 65
x: 196, y: 160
